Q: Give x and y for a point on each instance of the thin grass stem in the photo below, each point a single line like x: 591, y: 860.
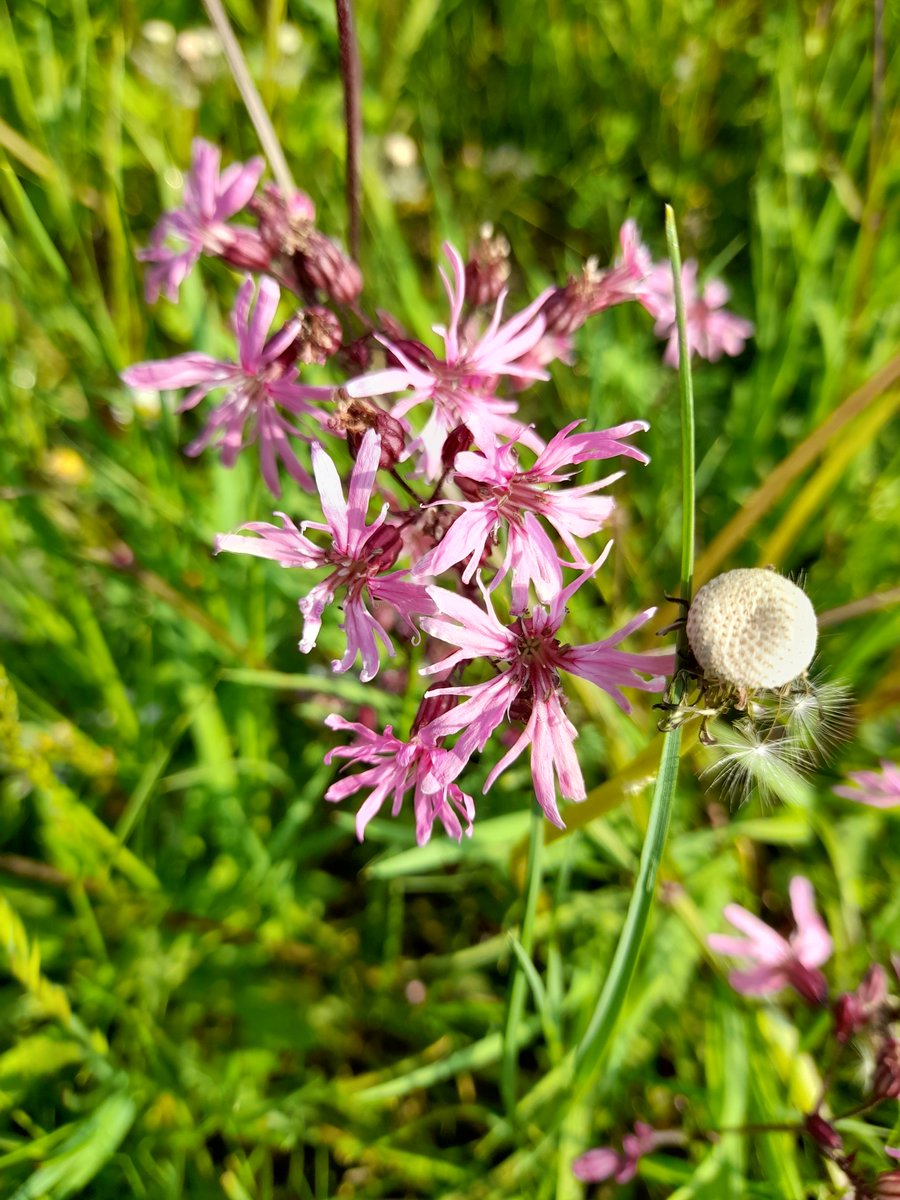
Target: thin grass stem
x: 237, y: 64
x: 512, y: 1034
x: 351, y: 77
x: 615, y: 988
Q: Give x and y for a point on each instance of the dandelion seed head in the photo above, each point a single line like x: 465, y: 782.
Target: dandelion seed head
x: 752, y: 628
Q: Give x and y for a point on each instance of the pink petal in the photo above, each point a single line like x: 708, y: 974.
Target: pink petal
x: 811, y: 943
x: 331, y: 494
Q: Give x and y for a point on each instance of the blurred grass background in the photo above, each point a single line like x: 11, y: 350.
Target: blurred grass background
x: 209, y: 988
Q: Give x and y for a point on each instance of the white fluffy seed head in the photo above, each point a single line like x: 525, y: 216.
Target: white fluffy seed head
x: 752, y: 628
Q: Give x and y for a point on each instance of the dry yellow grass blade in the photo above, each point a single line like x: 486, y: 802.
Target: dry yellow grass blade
x: 790, y: 467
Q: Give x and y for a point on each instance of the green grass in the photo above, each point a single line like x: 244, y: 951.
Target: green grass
x: 204, y: 977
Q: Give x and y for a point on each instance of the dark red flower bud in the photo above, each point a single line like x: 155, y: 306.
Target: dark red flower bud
x: 887, y: 1070
x: 822, y: 1132
x: 382, y: 547
x: 809, y: 983
x: 321, y: 265
x: 570, y: 306
x: 352, y: 417
x: 245, y: 250
x: 886, y: 1186
x: 488, y: 267
x: 431, y: 708
x: 456, y: 441
x: 357, y: 355
x: 854, y: 1010
x: 848, y: 1017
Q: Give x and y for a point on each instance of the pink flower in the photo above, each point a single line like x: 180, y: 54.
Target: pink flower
x: 198, y: 227
x: 880, y: 789
x: 593, y: 291
x: 358, y: 555
x: 501, y: 493
x: 854, y: 1010
x: 394, y: 768
x: 602, y: 1163
x: 779, y: 963
x: 711, y: 330
x: 259, y: 384
x: 528, y: 687
x: 460, y: 386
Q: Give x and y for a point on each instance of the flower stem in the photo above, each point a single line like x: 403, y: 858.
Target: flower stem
x: 509, y: 1066
x: 686, y: 390
x: 240, y: 73
x: 615, y: 987
x: 351, y: 78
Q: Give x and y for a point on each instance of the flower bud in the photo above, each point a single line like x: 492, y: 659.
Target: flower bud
x: 322, y: 265
x: 886, y: 1186
x: 854, y: 1010
x: 351, y: 419
x: 569, y: 307
x: 382, y: 547
x: 245, y: 250
x: 887, y: 1070
x: 822, y: 1132
x: 456, y: 441
x: 809, y: 983
x: 430, y: 709
x: 488, y: 268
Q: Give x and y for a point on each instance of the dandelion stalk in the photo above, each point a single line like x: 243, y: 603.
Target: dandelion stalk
x: 515, y: 1007
x: 615, y: 987
x: 350, y: 75
x: 240, y: 73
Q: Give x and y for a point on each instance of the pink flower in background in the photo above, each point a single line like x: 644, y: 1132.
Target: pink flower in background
x: 198, y: 227
x: 358, y: 554
x: 394, y: 768
x: 604, y: 1162
x: 711, y: 330
x: 528, y: 687
x: 501, y: 493
x: 779, y: 963
x: 460, y: 387
x: 854, y: 1010
x: 880, y: 789
x: 259, y: 384
x: 591, y: 292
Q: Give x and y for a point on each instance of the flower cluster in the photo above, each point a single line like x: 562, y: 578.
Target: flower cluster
x: 867, y: 1017
x: 502, y: 507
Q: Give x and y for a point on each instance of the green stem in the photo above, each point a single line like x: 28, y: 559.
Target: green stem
x: 615, y: 987
x: 509, y: 1066
x: 686, y: 390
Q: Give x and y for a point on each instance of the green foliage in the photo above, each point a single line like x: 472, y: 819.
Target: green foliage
x: 208, y: 988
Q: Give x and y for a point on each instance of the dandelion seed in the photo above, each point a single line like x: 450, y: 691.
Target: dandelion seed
x: 757, y: 758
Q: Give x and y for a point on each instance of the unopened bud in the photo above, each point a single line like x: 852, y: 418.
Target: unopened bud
x: 809, y: 983
x: 382, y: 547
x: 854, y: 1010
x: 319, y: 335
x: 822, y: 1132
x: 488, y: 268
x: 430, y: 709
x: 886, y: 1186
x: 569, y: 307
x: 352, y: 417
x: 322, y: 265
x: 456, y: 441
x: 887, y: 1070
x: 245, y: 250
